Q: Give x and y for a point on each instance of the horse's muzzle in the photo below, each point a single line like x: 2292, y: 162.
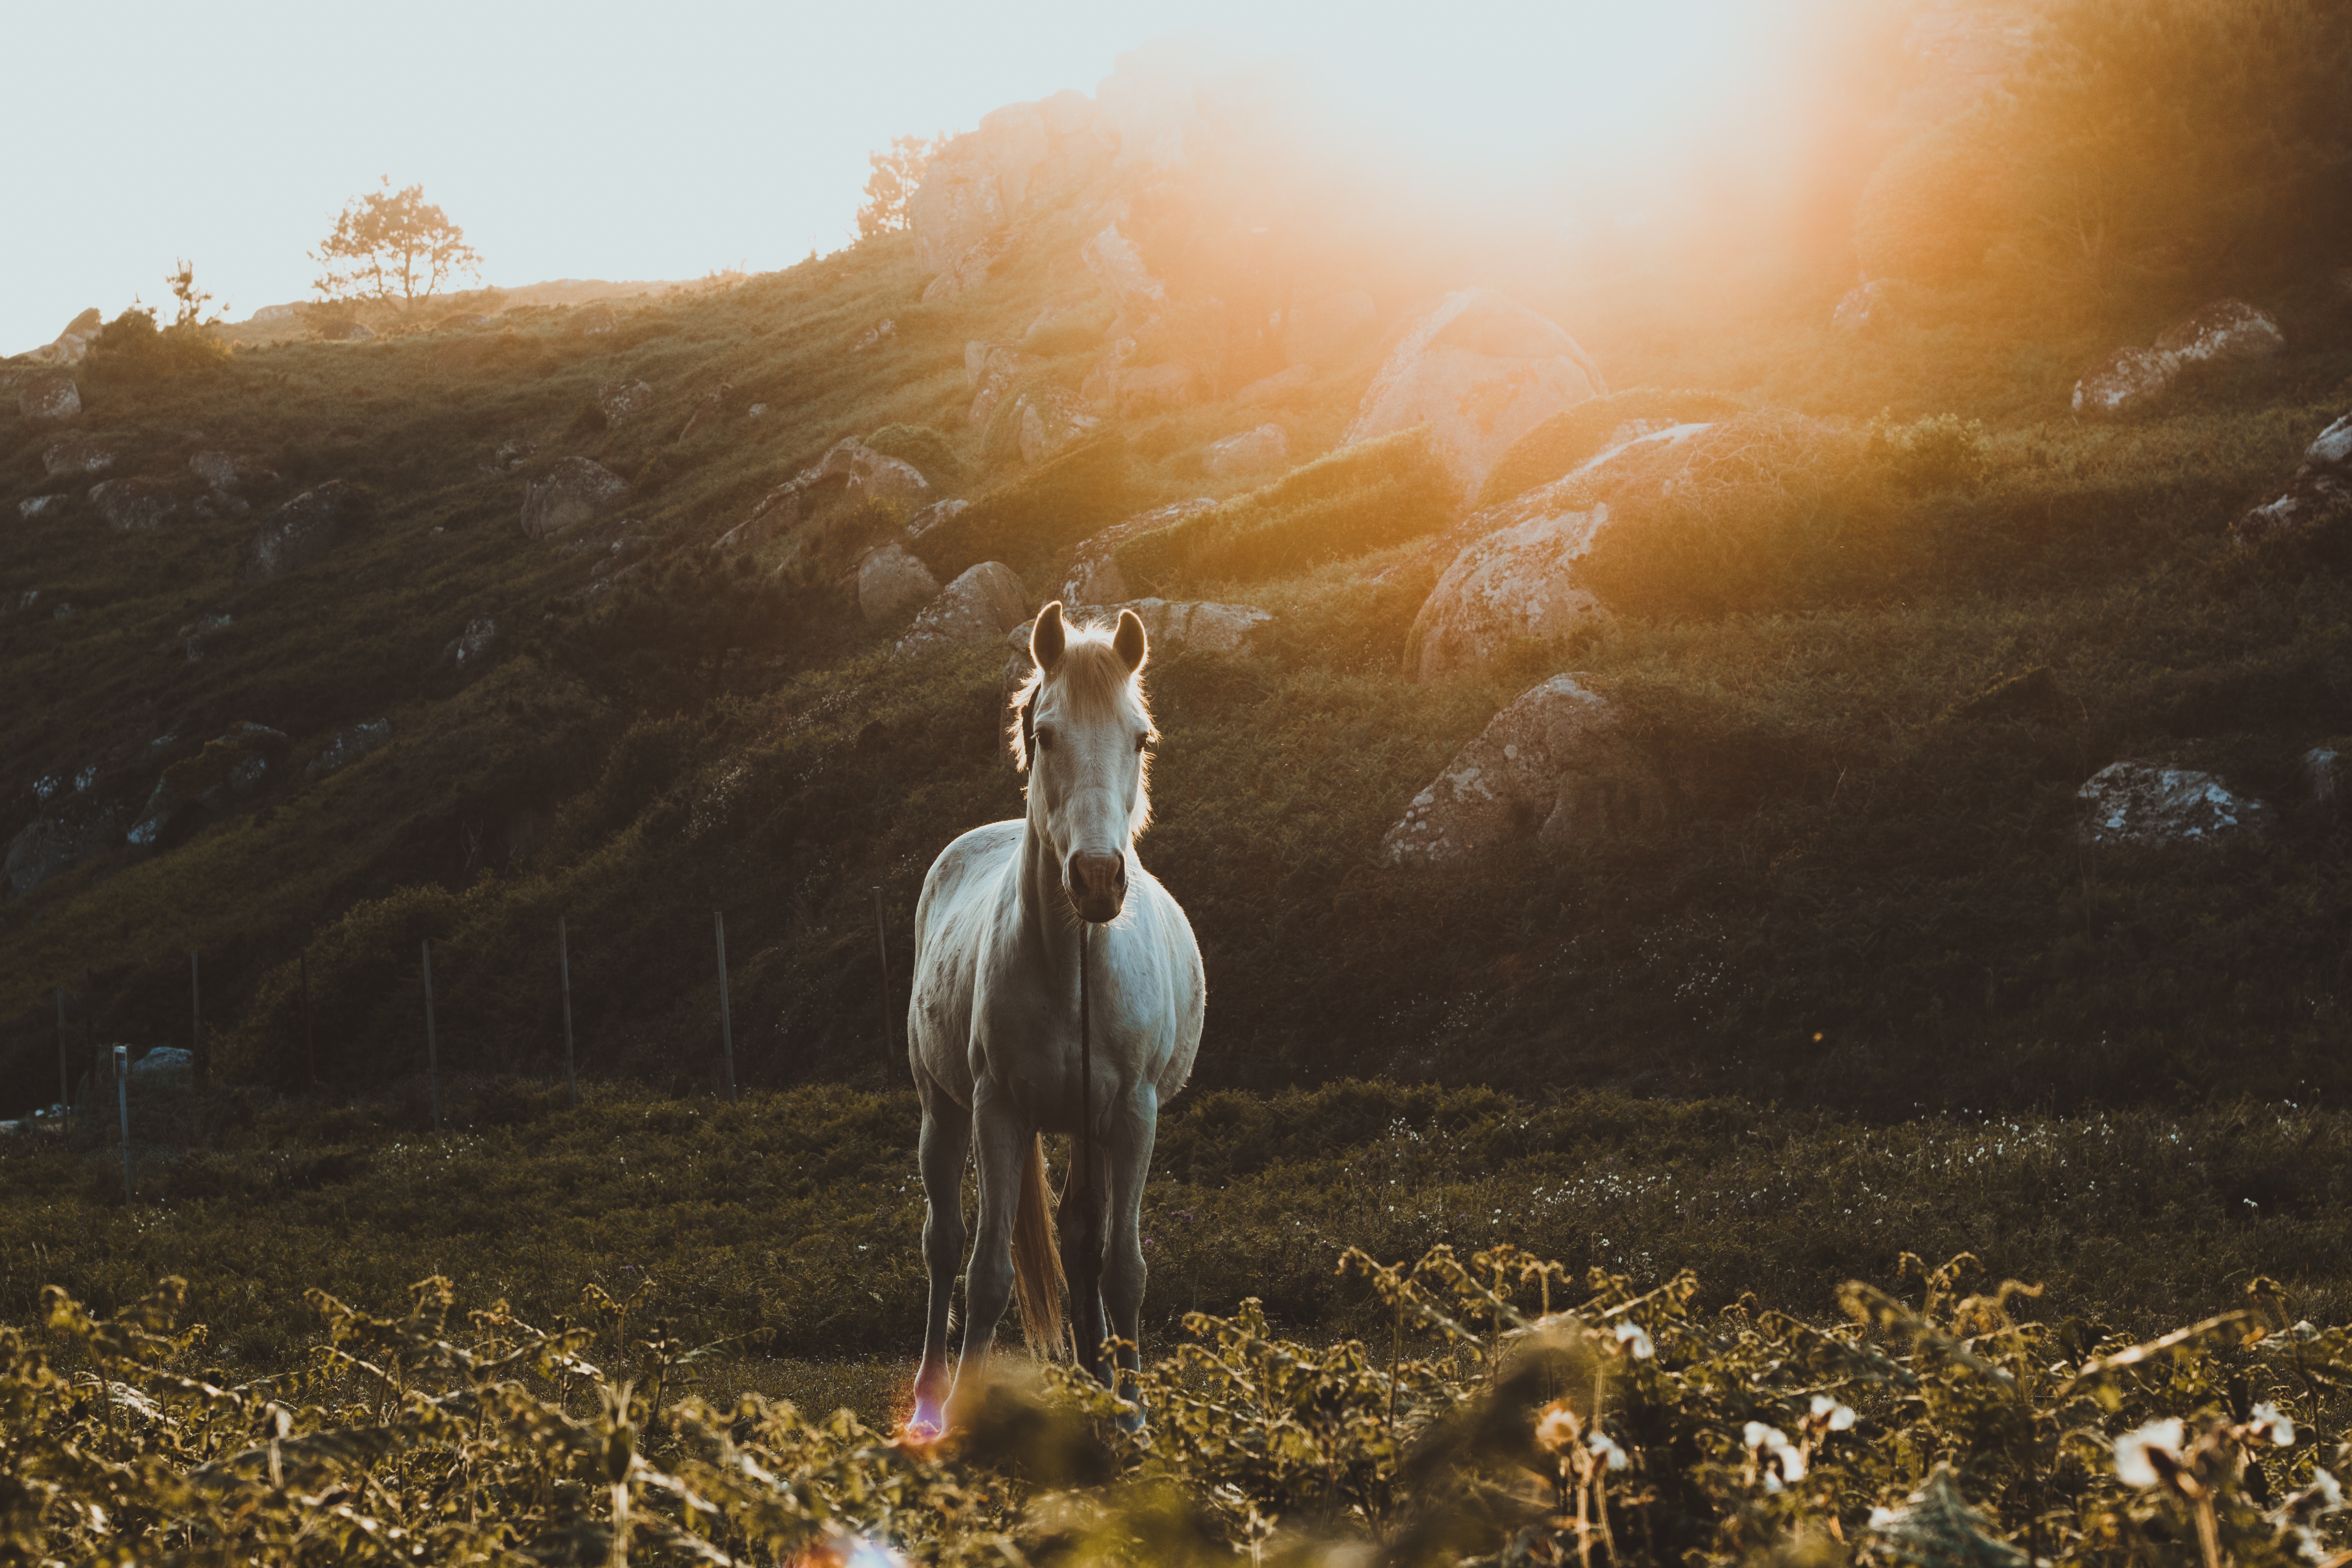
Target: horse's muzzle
x: 1098, y: 886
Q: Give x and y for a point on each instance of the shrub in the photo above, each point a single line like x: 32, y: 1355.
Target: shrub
x: 133, y: 348
x: 920, y: 445
x: 1360, y: 499
x: 1940, y: 452
x: 1569, y: 437
x: 1048, y: 507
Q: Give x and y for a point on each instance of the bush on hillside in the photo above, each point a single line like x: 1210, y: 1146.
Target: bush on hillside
x: 1360, y: 499
x: 920, y: 445
x: 1573, y: 434
x: 133, y: 348
x: 1025, y: 519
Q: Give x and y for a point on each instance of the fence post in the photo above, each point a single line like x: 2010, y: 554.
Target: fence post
x: 882, y: 938
x: 563, y: 960
x: 726, y: 1021
x: 431, y: 1047
x: 65, y: 1073
x: 310, y: 1036
x: 123, y: 1104
x: 195, y: 1022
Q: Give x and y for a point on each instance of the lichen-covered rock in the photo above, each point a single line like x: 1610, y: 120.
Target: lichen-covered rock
x: 75, y: 455
x: 1516, y: 583
x: 990, y: 369
x: 72, y: 831
x: 1550, y: 768
x: 979, y: 607
x: 302, y: 531
x: 1118, y: 266
x: 2223, y: 332
x: 967, y: 272
x: 50, y: 396
x: 1480, y: 370
x: 346, y: 746
x: 622, y: 401
x: 2318, y: 496
x: 892, y: 585
x: 72, y: 345
x: 1052, y: 417
x: 467, y: 647
x: 1252, y: 451
x: 1094, y: 577
x: 36, y: 506
x: 891, y: 481
x: 2125, y: 382
x: 2150, y: 803
x: 236, y: 764
x: 1320, y: 334
x: 931, y: 516
x: 231, y: 470
x: 133, y: 506
x: 572, y: 491
x: 2131, y: 380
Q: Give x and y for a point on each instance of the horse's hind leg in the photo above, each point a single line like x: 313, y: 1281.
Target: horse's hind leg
x: 1128, y: 1151
x: 1086, y: 1205
x: 946, y: 1140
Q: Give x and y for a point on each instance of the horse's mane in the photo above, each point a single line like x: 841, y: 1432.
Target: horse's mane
x: 1097, y: 685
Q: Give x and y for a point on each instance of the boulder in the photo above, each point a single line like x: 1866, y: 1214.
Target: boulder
x: 957, y: 206
x: 1008, y: 164
x: 50, y: 396
x: 346, y: 746
x: 59, y: 839
x: 77, y: 455
x: 991, y: 369
x: 1118, y: 266
x: 1862, y: 307
x: 891, y: 481
x: 1322, y: 333
x: 1275, y: 387
x: 2150, y: 803
x: 1094, y: 577
x: 165, y: 1067
x: 2318, y: 496
x: 469, y: 647
x: 509, y: 455
x: 2131, y: 380
x: 572, y: 491
x: 1551, y: 767
x: 234, y: 765
x: 1155, y: 389
x: 2323, y: 774
x: 1516, y: 583
x: 72, y: 345
x: 931, y: 516
x: 302, y: 531
x: 35, y: 506
x: 967, y: 272
x: 1267, y: 446
x: 135, y: 505
x: 892, y: 585
x: 979, y: 607
x: 622, y: 401
x: 230, y: 470
x: 1052, y: 417
x: 1479, y: 371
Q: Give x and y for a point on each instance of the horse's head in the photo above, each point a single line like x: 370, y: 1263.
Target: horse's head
x: 1082, y: 730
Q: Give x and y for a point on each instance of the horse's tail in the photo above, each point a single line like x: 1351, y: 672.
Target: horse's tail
x: 1037, y: 1258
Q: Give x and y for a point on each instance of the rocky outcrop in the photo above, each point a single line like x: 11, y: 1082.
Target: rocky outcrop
x: 1551, y: 768
x: 1052, y: 417
x: 72, y: 345
x: 1016, y: 158
x: 1118, y: 268
x: 892, y: 585
x: 572, y: 491
x: 622, y: 401
x: 863, y: 474
x: 236, y: 765
x: 1514, y: 584
x: 1252, y: 451
x: 467, y: 647
x: 50, y: 396
x: 2317, y: 498
x: 57, y: 841
x: 2151, y: 805
x: 76, y: 455
x: 2133, y: 380
x: 302, y: 531
x: 893, y: 481
x: 1094, y: 577
x: 1274, y: 388
x: 967, y: 272
x: 979, y: 607
x: 346, y: 746
x: 133, y: 506
x: 1479, y: 371
x: 1321, y: 335
x: 931, y: 516
x: 990, y: 370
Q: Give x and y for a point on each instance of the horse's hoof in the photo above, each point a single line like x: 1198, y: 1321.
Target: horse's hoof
x: 928, y: 1424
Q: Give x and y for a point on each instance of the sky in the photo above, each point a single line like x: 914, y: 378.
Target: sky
x: 669, y: 141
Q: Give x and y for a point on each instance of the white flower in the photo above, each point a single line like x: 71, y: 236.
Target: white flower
x: 2325, y: 1491
x: 1558, y: 1428
x: 1635, y: 1341
x: 2269, y: 1417
x: 1606, y: 1449
x: 2135, y: 1452
x: 1829, y: 1412
x: 1883, y: 1517
x: 1784, y: 1460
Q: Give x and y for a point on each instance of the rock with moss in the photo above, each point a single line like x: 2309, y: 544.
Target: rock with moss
x: 978, y: 607
x: 76, y: 828
x: 2153, y: 804
x: 892, y: 585
x: 1094, y: 577
x: 346, y: 746
x: 47, y: 397
x: 231, y: 471
x: 1516, y: 584
x: 1051, y: 419
x: 1551, y: 769
x: 72, y: 345
x: 236, y: 764
x: 2318, y: 498
x: 2133, y: 380
x: 1250, y: 452
x: 622, y: 401
x: 573, y: 492
x: 72, y: 456
x: 136, y: 505
x: 303, y: 530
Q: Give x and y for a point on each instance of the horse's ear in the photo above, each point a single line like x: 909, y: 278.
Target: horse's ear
x: 1048, y: 637
x: 1130, y: 643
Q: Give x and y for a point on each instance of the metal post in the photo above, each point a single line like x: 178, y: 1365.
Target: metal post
x: 310, y: 1036
x: 726, y: 1021
x: 882, y: 938
x: 564, y: 958
x: 195, y: 1022
x: 123, y: 1104
x: 65, y: 1073
x: 431, y: 1047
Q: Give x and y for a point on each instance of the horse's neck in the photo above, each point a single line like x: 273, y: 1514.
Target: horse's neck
x: 1048, y: 924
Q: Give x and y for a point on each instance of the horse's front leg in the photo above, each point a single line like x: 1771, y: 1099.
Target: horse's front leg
x: 1084, y: 1221
x: 1127, y: 1148
x: 1003, y: 1136
x: 946, y: 1140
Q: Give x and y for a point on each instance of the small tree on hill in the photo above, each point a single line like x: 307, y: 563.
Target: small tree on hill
x: 392, y: 245
x: 193, y: 299
x: 896, y: 173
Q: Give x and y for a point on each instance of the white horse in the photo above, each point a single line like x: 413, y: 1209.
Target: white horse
x: 1058, y: 989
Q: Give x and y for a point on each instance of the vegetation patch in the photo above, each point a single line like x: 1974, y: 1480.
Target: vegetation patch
x: 1025, y: 519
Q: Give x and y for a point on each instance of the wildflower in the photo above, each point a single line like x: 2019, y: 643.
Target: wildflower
x: 2269, y: 1418
x: 2295, y: 1517
x: 1604, y: 1448
x: 1883, y: 1517
x: 1557, y: 1426
x: 1634, y: 1341
x: 1784, y: 1461
x: 1831, y: 1415
x: 2150, y: 1454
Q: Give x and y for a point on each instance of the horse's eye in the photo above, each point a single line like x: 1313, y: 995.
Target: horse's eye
x: 1045, y: 740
